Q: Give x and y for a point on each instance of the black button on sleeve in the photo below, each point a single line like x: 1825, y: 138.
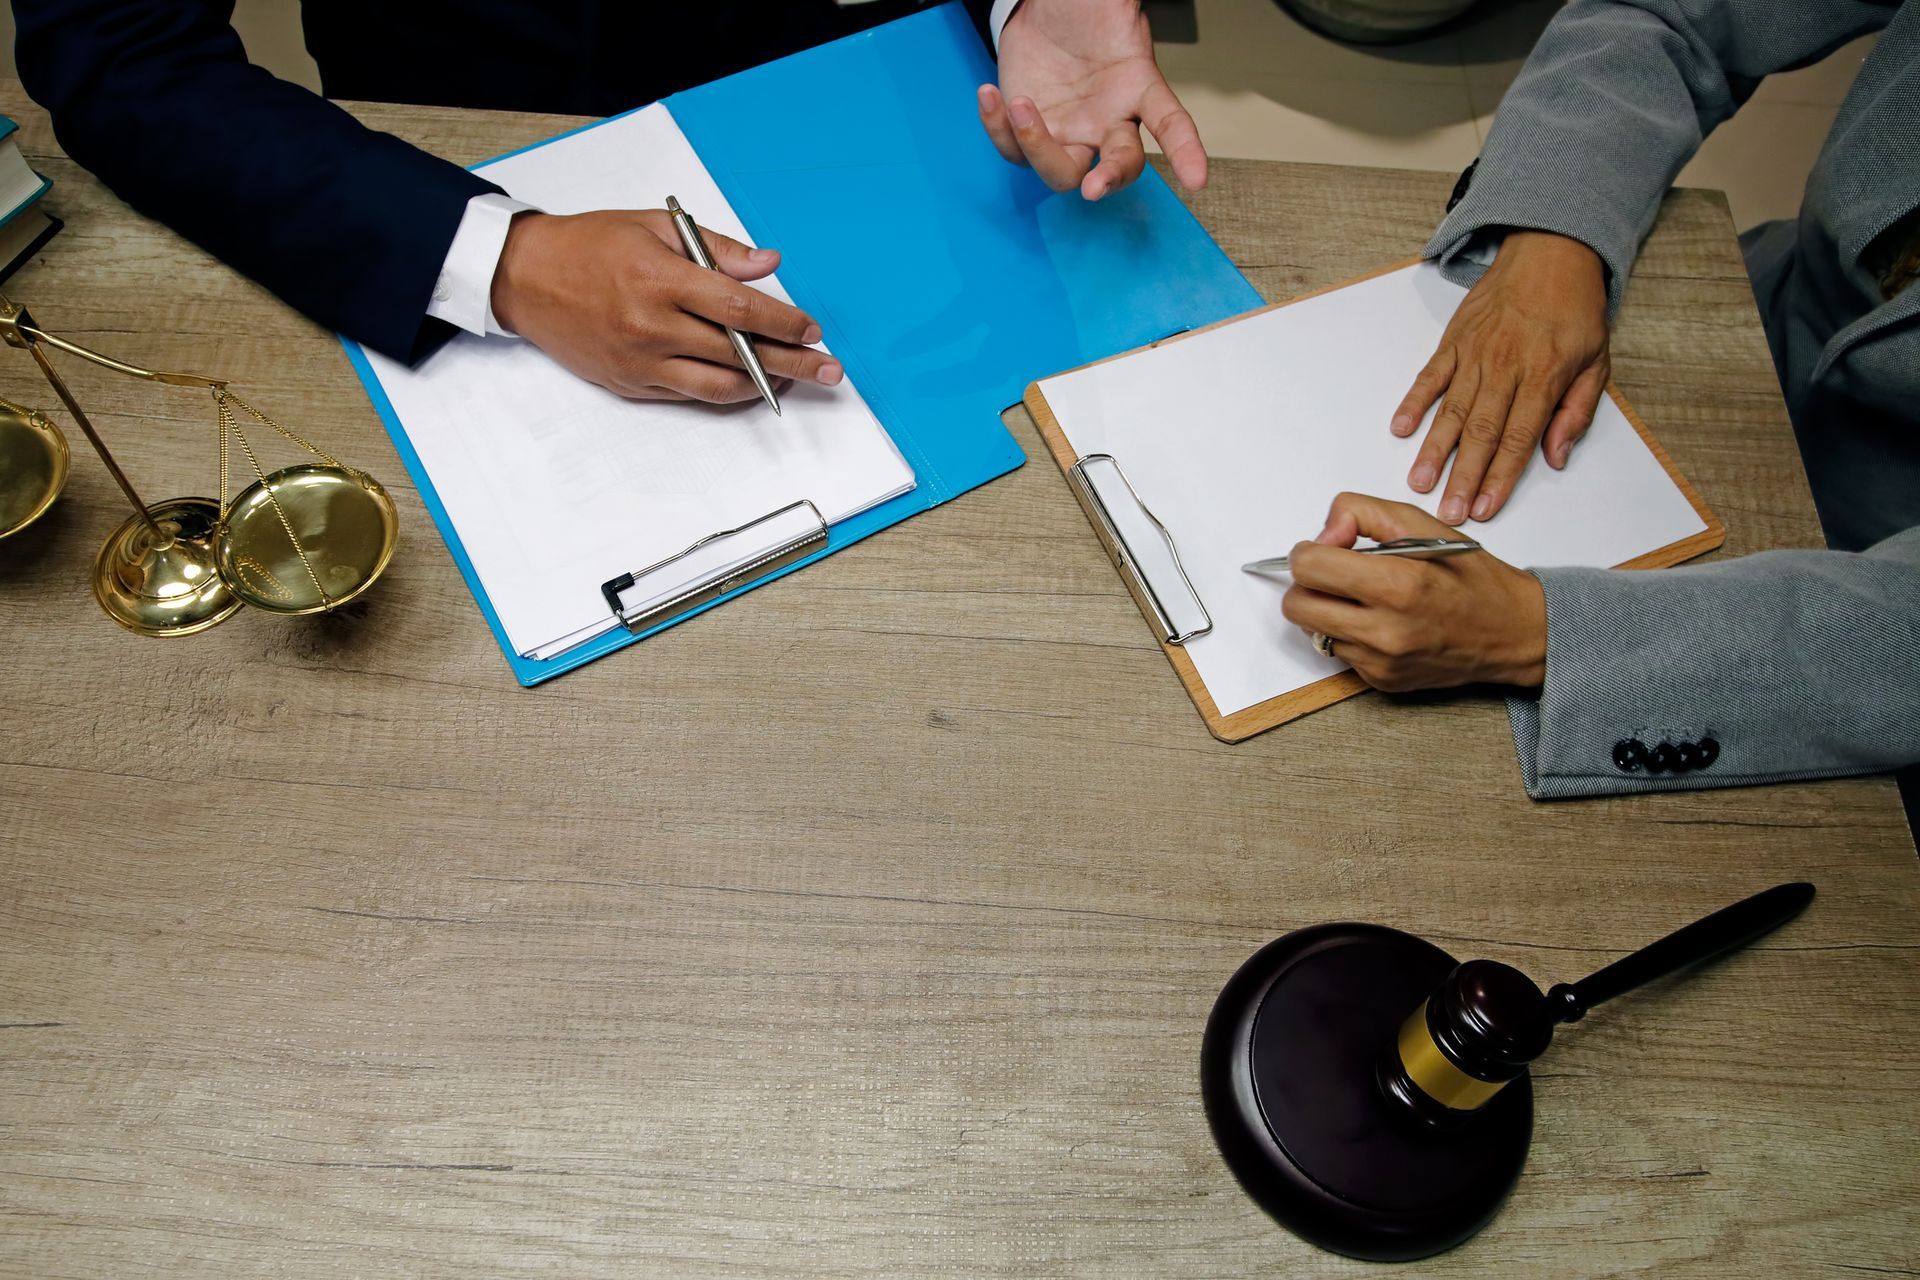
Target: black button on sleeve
x: 1691, y: 757
x: 1665, y: 759
x: 1709, y: 752
x: 1629, y: 754
x: 1460, y: 187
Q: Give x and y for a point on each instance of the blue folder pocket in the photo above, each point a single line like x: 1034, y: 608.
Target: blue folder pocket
x: 945, y: 278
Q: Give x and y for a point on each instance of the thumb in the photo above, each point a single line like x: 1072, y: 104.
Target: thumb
x: 1383, y: 520
x: 741, y: 261
x: 1575, y: 416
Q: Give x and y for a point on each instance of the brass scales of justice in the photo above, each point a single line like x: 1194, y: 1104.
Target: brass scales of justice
x: 303, y: 539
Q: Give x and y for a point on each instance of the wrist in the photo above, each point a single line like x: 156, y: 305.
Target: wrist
x: 511, y: 273
x: 1523, y: 662
x: 1529, y: 242
x: 1571, y: 259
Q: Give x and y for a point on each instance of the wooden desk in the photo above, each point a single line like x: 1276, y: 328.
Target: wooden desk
x: 867, y: 927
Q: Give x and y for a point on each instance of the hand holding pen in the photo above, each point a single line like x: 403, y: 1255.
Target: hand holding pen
x: 1410, y: 623
x: 613, y: 297
x: 696, y: 246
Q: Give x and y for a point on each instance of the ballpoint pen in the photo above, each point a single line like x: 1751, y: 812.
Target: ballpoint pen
x: 743, y: 344
x: 1412, y: 548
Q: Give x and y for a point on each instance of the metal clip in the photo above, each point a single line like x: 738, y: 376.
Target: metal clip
x: 652, y: 610
x: 1145, y: 595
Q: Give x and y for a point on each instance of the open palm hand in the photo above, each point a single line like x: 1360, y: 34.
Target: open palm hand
x: 1077, y: 80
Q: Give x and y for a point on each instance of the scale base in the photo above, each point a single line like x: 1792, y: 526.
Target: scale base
x: 1287, y: 1075
x: 164, y: 586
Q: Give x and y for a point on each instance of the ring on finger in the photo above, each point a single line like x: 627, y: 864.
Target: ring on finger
x: 1324, y: 643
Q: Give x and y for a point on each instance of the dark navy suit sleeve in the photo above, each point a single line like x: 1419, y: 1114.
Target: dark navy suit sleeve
x: 980, y: 11
x: 157, y: 98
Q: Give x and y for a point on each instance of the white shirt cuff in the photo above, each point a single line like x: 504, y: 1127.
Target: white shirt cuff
x: 997, y: 19
x: 463, y: 295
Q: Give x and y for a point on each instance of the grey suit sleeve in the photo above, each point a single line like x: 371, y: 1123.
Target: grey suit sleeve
x: 1613, y: 101
x: 1799, y: 664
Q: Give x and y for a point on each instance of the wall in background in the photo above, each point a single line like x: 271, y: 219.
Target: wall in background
x: 1261, y: 86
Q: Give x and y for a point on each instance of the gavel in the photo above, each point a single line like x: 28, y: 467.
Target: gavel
x: 1371, y: 1093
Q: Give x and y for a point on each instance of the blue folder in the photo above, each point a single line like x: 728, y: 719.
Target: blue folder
x: 943, y: 277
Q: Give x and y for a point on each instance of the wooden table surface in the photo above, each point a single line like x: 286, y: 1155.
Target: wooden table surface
x: 866, y: 927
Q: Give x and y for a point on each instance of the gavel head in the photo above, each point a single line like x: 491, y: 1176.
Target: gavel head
x: 1462, y: 1045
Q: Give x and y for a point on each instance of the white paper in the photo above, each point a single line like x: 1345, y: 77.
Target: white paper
x: 556, y: 486
x: 1239, y: 438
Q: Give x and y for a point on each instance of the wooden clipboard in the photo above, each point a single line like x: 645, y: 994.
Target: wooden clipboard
x: 1277, y: 710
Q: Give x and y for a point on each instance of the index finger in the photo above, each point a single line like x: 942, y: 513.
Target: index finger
x: 1384, y: 520
x: 726, y: 301
x: 1121, y: 160
x: 993, y: 117
x: 1337, y: 571
x: 1060, y: 167
x: 1432, y: 380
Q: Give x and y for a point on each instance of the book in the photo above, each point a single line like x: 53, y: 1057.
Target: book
x: 22, y: 237
x: 20, y: 185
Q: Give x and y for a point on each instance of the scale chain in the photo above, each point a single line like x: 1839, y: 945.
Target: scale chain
x: 228, y: 423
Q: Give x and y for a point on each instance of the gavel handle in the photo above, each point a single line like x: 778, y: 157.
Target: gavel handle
x: 1725, y: 930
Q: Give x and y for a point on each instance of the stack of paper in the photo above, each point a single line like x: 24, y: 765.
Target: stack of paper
x: 557, y: 486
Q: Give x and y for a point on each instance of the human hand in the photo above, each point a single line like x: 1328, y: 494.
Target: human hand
x: 1077, y: 77
x: 613, y: 297
x: 1416, y: 624
x: 1525, y: 355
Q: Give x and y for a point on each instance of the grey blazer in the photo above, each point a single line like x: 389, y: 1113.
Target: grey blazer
x: 1772, y: 667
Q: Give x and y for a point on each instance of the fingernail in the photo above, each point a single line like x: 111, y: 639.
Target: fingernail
x: 1403, y: 425
x: 763, y: 255
x: 1097, y: 190
x: 1423, y: 477
x: 1483, y: 506
x: 829, y: 374
x: 1024, y: 116
x: 1453, y: 510
x: 812, y: 335
x: 1325, y: 535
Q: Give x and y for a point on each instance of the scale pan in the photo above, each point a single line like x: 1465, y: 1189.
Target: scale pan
x: 33, y: 466
x: 345, y: 523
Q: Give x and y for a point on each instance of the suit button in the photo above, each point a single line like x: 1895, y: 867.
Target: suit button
x: 1709, y: 752
x: 1691, y: 756
x: 1665, y: 759
x: 1629, y: 754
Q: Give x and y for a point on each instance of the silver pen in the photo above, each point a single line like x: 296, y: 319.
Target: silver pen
x: 742, y: 343
x: 1412, y: 548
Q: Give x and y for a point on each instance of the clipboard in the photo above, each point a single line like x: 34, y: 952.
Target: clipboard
x: 1008, y: 277
x: 1167, y: 598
